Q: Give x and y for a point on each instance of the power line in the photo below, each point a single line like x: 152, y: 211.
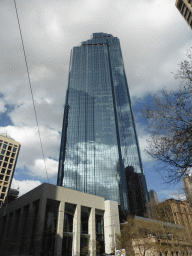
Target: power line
x: 31, y: 92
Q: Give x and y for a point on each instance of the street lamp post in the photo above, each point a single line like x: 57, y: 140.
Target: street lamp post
x: 114, y: 237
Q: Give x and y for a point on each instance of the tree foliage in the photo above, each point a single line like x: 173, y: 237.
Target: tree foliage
x: 144, y: 237
x: 175, y: 212
x: 138, y: 235
x: 169, y: 117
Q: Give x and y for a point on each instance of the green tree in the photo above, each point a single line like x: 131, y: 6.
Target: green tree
x: 169, y: 117
x: 95, y: 248
x: 138, y: 236
x: 144, y: 236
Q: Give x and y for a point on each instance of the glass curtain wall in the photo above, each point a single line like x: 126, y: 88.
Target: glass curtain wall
x: 99, y: 139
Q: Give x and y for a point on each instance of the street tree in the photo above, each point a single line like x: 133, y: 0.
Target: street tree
x: 169, y: 118
x: 137, y: 237
x: 143, y: 237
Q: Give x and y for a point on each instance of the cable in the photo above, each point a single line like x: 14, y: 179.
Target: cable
x: 31, y: 92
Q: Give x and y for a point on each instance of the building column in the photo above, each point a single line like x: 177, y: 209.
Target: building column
x: 6, y: 237
x: 59, y: 232
x: 1, y: 225
x: 19, y: 234
x: 111, y: 225
x: 92, y: 233
x: 40, y: 226
x: 76, y: 231
x: 29, y: 227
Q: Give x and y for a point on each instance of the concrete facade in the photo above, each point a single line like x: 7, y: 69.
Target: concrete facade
x: 38, y: 223
x: 185, y: 8
x: 9, y: 150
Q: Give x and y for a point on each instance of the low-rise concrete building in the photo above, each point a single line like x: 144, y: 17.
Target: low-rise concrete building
x: 53, y: 220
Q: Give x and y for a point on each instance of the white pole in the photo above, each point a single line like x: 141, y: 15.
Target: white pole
x: 114, y: 237
x: 73, y: 240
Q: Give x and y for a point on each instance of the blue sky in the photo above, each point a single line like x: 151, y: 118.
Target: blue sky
x: 154, y: 38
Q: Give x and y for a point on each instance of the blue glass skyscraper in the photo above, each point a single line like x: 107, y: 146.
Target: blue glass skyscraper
x: 99, y: 151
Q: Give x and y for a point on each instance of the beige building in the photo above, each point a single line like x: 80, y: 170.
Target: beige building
x: 147, y: 237
x: 9, y: 150
x: 185, y: 8
x: 53, y: 220
x: 177, y: 212
x: 153, y: 246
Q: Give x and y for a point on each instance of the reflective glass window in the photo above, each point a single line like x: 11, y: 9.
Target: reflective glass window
x: 99, y: 138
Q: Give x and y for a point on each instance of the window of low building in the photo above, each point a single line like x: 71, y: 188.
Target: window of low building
x: 99, y: 227
x: 84, y: 241
x: 67, y: 243
x: 50, y: 227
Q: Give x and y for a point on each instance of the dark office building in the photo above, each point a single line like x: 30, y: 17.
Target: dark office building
x: 99, y: 140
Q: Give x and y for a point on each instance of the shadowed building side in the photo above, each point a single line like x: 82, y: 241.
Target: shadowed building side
x: 52, y: 220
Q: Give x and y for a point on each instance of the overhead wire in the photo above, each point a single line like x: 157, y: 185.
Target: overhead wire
x: 33, y: 101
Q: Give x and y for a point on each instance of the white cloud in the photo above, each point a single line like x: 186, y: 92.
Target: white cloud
x: 30, y: 152
x: 157, y: 14
x: 49, y: 112
x: 142, y: 138
x: 2, y: 106
x: 24, y: 185
x: 40, y: 168
x: 143, y: 145
x: 40, y: 72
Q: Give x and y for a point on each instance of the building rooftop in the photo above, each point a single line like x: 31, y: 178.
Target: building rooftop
x: 6, y: 136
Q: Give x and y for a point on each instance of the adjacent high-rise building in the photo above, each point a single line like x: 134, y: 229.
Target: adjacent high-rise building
x: 9, y: 150
x: 153, y: 197
x: 187, y: 186
x: 99, y: 151
x: 185, y: 8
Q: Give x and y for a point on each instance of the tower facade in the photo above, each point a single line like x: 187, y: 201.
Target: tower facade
x: 187, y: 186
x: 153, y: 197
x: 9, y: 150
x: 99, y: 151
x: 185, y: 8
